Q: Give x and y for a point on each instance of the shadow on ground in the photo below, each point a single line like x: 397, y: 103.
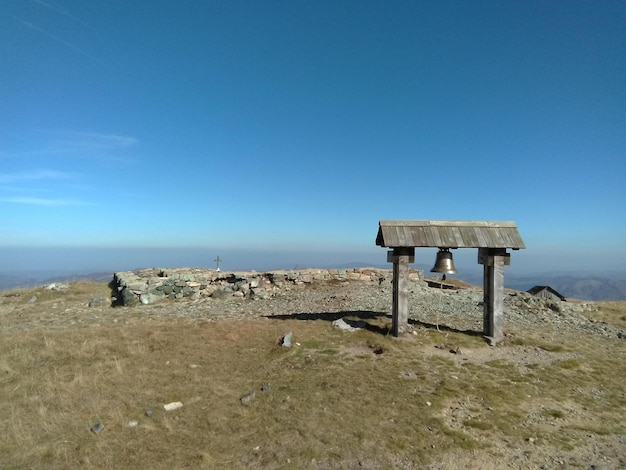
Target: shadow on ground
x: 377, y: 322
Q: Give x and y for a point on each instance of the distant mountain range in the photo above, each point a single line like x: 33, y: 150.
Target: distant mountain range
x: 574, y: 287
x: 16, y: 281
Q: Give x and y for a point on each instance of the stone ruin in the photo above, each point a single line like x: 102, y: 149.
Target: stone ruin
x: 147, y: 286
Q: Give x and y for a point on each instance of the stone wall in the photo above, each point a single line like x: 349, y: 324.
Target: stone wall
x: 151, y: 285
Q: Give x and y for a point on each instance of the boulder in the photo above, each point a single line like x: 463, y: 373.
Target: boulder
x: 151, y: 297
x: 221, y: 293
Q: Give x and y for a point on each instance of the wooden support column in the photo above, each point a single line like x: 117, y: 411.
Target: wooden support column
x: 400, y: 257
x: 493, y: 260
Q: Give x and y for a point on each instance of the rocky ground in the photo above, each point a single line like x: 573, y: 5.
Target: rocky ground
x: 458, y: 308
x: 447, y: 310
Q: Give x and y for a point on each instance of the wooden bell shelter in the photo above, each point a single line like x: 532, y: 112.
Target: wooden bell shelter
x: 492, y: 240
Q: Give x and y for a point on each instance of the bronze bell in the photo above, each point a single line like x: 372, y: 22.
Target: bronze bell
x: 444, y: 263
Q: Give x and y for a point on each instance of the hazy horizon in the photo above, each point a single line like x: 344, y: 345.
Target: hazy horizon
x: 87, y: 260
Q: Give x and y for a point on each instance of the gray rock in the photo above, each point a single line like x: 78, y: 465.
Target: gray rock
x: 221, y: 294
x: 187, y: 291
x: 248, y: 397
x: 277, y: 278
x: 97, y: 427
x: 96, y: 302
x: 128, y: 298
x: 258, y: 293
x: 285, y: 341
x: 151, y: 297
x: 55, y: 286
x: 341, y: 324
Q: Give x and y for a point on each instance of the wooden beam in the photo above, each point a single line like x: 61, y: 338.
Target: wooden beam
x: 401, y: 257
x: 493, y: 261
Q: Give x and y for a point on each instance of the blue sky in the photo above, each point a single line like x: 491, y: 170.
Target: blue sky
x: 291, y: 128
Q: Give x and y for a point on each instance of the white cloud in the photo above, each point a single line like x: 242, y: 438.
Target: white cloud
x: 36, y: 175
x: 78, y: 145
x: 88, y: 142
x: 43, y: 202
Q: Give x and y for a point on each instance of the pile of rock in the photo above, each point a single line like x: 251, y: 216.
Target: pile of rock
x: 151, y: 285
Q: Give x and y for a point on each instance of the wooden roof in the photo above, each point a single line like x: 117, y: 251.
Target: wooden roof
x: 535, y: 290
x: 448, y: 234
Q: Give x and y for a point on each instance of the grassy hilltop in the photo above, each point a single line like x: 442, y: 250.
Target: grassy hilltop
x: 440, y: 398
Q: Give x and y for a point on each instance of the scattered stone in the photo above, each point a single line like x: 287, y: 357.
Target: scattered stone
x: 221, y: 294
x: 341, y: 324
x: 265, y: 388
x: 132, y: 424
x: 55, y: 286
x: 285, y: 341
x: 97, y: 427
x: 173, y: 406
x: 181, y: 283
x: 248, y: 397
x: 148, y: 413
x: 554, y: 307
x: 259, y: 294
x: 95, y: 302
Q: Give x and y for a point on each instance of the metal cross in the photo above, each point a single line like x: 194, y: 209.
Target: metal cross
x: 218, y: 260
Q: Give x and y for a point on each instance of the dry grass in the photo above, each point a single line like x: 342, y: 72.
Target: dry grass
x: 335, y: 399
x: 612, y: 313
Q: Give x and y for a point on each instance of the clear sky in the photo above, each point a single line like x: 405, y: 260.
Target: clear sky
x: 291, y: 128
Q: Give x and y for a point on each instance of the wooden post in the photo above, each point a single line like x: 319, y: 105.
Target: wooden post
x: 493, y: 260
x: 400, y: 257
